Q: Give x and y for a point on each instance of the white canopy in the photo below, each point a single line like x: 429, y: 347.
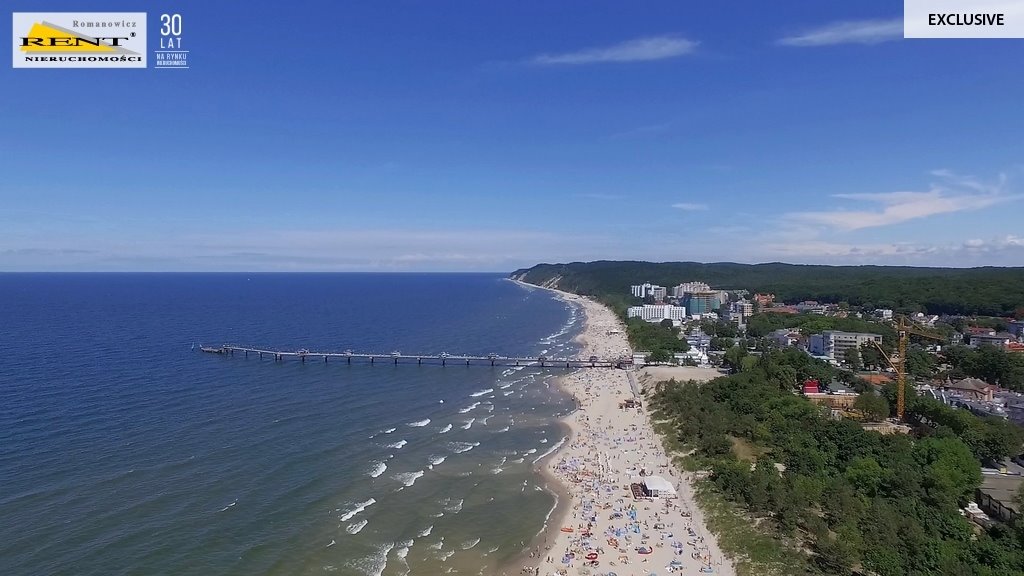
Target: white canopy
x: 659, y: 486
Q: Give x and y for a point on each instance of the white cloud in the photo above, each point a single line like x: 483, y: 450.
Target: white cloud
x: 639, y: 50
x: 955, y: 194
x: 689, y: 206
x: 848, y: 32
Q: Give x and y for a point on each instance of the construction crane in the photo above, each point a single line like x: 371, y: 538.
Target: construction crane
x: 903, y: 331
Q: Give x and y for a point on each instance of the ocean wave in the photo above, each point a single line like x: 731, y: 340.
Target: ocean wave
x: 509, y: 393
x: 357, y: 509
x: 229, y: 506
x: 355, y: 527
x: 530, y: 451
x: 378, y: 469
x: 460, y: 447
x: 468, y: 408
x: 389, y: 430
x: 470, y: 543
x: 436, y: 460
x: 481, y: 393
x: 505, y: 429
x: 497, y: 470
x: 398, y: 444
x: 445, y: 429
x: 551, y: 450
x: 445, y: 555
x: 439, y: 545
x: 426, y: 531
x: 404, y: 550
x: 374, y: 564
x: 468, y: 424
x: 453, y: 508
x: 408, y: 478
x: 419, y: 423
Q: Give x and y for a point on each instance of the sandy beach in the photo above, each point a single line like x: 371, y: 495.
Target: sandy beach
x: 599, y: 527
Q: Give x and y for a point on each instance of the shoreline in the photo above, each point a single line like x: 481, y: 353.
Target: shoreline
x: 607, y: 447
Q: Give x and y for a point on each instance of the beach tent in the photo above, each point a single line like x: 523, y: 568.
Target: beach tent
x: 658, y: 486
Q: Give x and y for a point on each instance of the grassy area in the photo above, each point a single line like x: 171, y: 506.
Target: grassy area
x: 754, y: 551
x: 744, y: 450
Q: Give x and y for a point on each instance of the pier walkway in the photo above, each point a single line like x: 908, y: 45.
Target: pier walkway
x: 442, y: 359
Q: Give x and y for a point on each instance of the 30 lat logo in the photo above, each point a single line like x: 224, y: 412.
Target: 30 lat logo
x: 172, y: 54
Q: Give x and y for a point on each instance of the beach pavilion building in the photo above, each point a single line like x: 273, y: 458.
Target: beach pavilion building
x: 658, y: 487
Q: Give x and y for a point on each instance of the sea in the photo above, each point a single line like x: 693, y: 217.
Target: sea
x: 126, y: 450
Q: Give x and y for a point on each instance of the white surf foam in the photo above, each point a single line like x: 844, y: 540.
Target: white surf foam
x: 398, y: 444
x: 408, y: 478
x: 468, y: 424
x: 481, y: 393
x: 551, y: 450
x: 420, y: 423
x: 355, y: 527
x: 357, y: 509
x: 378, y: 469
x: 460, y: 447
x: 374, y: 564
x: 445, y: 429
x: 468, y: 408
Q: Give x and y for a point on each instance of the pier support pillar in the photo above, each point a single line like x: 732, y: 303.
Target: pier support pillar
x: 467, y: 361
x: 261, y: 355
x: 303, y: 358
x: 325, y: 358
x: 419, y: 361
x: 371, y: 359
x: 396, y: 361
x: 246, y: 353
x: 349, y: 359
x: 492, y: 363
x: 443, y: 361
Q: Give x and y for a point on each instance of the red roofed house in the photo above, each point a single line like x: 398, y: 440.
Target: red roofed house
x: 970, y: 388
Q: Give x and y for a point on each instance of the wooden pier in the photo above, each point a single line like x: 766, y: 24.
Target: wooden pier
x: 396, y: 358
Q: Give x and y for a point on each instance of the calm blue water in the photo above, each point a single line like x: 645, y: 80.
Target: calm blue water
x: 124, y: 452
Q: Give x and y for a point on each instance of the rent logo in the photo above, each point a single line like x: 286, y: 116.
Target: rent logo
x: 79, y: 40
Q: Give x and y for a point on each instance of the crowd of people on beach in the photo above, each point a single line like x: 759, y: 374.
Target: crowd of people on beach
x: 610, y: 527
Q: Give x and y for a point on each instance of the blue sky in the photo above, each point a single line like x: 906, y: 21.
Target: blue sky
x: 489, y: 136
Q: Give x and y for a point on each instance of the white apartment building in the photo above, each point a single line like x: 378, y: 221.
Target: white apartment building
x: 744, y: 308
x: 834, y: 344
x: 657, y: 312
x: 681, y: 290
x: 647, y: 289
x: 658, y: 292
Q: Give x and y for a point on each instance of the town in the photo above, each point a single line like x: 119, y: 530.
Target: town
x: 972, y: 363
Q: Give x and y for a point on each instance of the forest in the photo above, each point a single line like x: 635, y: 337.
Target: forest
x: 846, y: 500
x: 970, y: 291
